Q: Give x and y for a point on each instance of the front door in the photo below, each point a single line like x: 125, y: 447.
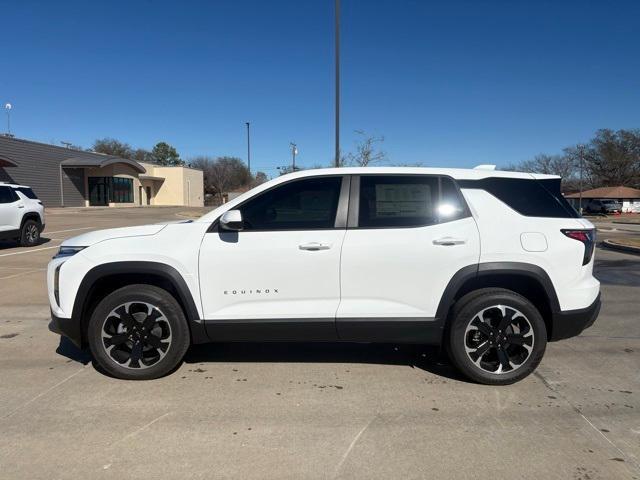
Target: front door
x: 98, y: 191
x: 11, y: 209
x: 279, y: 278
x: 148, y: 195
x: 408, y: 235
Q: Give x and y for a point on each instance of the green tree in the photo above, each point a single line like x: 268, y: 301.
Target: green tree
x: 165, y: 154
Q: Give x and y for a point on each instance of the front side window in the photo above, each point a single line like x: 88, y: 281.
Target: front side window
x: 398, y: 201
x: 307, y: 204
x: 7, y: 195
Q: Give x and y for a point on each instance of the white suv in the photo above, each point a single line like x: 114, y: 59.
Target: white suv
x: 21, y: 214
x: 491, y: 265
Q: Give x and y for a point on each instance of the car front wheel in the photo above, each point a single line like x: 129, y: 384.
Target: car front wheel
x: 30, y: 233
x: 138, y: 332
x: 497, y: 337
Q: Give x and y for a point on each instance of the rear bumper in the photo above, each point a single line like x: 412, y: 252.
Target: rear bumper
x: 66, y: 327
x: 570, y: 323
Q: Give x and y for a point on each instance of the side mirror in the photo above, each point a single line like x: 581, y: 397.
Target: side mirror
x: 231, y: 220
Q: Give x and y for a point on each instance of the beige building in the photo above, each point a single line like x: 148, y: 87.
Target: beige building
x: 137, y: 183
x: 63, y: 177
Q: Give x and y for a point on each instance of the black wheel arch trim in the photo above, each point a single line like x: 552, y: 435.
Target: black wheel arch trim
x: 167, y: 272
x: 477, y: 271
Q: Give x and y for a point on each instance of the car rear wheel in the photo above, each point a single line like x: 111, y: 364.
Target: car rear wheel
x: 497, y: 337
x: 30, y: 233
x: 138, y: 332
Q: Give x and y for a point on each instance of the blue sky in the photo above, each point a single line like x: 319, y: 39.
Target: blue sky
x: 447, y: 84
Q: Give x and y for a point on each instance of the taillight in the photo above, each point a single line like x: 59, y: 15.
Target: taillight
x: 587, y: 237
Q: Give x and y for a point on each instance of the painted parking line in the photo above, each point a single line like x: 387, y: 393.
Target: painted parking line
x: 29, y: 251
x: 70, y: 230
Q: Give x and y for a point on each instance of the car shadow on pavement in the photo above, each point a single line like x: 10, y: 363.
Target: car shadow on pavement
x: 66, y: 348
x: 4, y: 244
x: 429, y: 359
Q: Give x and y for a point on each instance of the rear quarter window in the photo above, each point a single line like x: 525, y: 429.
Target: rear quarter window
x: 532, y: 198
x: 27, y: 192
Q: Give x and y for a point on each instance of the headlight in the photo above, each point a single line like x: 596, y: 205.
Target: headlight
x: 67, y: 251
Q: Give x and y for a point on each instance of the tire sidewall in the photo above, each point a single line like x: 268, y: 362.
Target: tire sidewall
x: 172, y: 312
x: 464, y: 314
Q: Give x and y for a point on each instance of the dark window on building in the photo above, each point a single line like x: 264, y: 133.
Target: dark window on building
x: 305, y: 204
x: 7, y: 195
x: 105, y: 190
x: 121, y: 190
x: 398, y: 201
x: 533, y: 198
x: 27, y: 192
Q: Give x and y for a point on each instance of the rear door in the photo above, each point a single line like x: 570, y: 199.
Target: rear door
x: 407, y: 236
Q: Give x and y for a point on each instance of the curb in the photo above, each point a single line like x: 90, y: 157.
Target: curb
x: 621, y: 248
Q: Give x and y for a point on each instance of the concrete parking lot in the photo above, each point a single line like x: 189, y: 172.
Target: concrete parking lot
x: 310, y: 411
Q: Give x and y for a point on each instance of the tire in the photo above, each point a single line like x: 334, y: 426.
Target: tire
x: 138, y: 332
x: 488, y: 351
x: 30, y: 233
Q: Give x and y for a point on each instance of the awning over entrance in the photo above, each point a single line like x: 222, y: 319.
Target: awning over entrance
x: 6, y: 162
x: 100, y: 161
x: 151, y: 177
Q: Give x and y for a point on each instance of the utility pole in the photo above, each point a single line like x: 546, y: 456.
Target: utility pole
x: 248, y: 147
x: 337, y: 68
x: 294, y: 152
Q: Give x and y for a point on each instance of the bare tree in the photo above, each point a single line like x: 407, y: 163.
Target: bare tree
x: 111, y: 146
x: 223, y: 174
x: 367, y: 152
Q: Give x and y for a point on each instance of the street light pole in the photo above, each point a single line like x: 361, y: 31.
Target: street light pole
x: 294, y: 152
x: 248, y: 146
x: 337, y: 68
x: 581, y: 163
x: 8, y: 108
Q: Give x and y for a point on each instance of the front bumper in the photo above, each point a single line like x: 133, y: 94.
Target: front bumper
x: 66, y: 327
x: 571, y: 323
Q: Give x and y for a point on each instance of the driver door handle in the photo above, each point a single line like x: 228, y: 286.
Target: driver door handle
x: 314, y: 246
x: 449, y: 241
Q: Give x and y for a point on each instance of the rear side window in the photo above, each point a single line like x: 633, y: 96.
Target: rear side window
x: 7, y: 195
x: 306, y: 204
x: 404, y: 201
x: 532, y: 198
x: 27, y: 192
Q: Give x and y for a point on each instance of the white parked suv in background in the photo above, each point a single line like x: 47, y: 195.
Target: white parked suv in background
x: 21, y: 214
x: 489, y: 264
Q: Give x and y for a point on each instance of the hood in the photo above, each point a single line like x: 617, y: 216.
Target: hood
x: 91, y: 238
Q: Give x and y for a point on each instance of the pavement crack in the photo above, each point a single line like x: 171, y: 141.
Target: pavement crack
x: 144, y: 427
x: 582, y: 415
x: 346, y: 454
x: 21, y: 407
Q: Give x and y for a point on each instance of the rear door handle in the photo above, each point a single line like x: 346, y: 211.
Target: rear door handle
x: 314, y: 246
x: 449, y: 241
x: 20, y: 206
